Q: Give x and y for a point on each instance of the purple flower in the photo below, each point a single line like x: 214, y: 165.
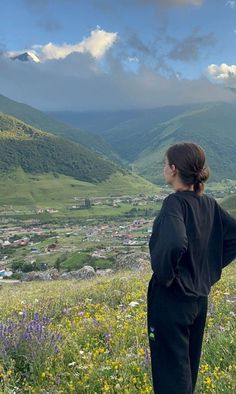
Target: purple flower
x: 96, y: 322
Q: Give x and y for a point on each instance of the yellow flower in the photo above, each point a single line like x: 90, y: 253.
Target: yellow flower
x: 204, y: 368
x: 141, y: 352
x: 208, y: 382
x: 106, y: 388
x: 9, y: 372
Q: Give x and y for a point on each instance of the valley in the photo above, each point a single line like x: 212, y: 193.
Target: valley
x: 90, y: 230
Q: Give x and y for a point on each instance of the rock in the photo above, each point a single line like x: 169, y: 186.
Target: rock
x: 85, y: 272
x: 66, y: 275
x: 50, y: 274
x: 136, y: 261
x: 54, y: 273
x: 104, y: 272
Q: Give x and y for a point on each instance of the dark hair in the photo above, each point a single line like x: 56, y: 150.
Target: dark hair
x: 189, y: 159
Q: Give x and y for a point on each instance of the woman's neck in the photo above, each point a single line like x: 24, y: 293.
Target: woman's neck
x: 177, y: 185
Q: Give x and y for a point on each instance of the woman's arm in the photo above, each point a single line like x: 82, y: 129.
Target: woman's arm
x: 229, y: 237
x: 168, y: 242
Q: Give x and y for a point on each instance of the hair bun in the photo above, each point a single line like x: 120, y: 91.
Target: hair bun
x: 202, y: 175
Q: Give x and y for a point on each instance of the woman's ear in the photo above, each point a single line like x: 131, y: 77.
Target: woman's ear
x: 173, y: 169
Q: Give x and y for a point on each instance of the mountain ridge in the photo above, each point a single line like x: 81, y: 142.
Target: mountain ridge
x: 40, y: 120
x: 37, y: 151
x: 141, y: 141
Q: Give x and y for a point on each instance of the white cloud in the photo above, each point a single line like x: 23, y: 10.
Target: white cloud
x: 77, y: 83
x: 96, y: 44
x: 222, y: 72
x: 231, y: 4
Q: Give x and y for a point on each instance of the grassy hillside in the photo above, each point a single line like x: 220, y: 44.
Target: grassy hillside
x: 102, y: 122
x: 18, y: 188
x: 213, y: 127
x: 140, y: 138
x: 127, y: 132
x: 38, y: 152
x: 44, y: 122
x: 91, y: 336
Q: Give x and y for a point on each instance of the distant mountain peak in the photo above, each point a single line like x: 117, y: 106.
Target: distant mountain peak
x: 26, y: 57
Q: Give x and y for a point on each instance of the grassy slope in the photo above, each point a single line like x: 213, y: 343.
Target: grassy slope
x: 44, y: 122
x: 40, y: 152
x: 126, y: 131
x: 104, y: 122
x: 19, y: 188
x: 101, y: 354
x: 213, y: 127
x: 142, y: 137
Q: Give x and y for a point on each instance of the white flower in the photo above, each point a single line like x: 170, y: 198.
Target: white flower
x: 133, y: 303
x: 71, y: 364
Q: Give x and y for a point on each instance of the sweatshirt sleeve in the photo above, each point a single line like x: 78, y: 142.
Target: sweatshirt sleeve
x: 168, y: 241
x: 229, y: 237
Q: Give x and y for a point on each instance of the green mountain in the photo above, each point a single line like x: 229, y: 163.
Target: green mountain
x: 127, y: 132
x: 212, y: 126
x: 140, y: 138
x: 40, y: 168
x: 44, y: 122
x: 39, y: 152
x: 19, y: 188
x: 101, y: 122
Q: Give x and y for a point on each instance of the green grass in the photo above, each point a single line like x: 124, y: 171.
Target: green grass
x: 78, y: 260
x: 104, y: 345
x: 20, y: 189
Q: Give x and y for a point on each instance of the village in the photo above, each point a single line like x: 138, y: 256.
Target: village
x: 35, y: 245
x: 39, y: 242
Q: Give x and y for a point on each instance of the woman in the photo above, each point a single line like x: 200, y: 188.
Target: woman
x: 192, y: 240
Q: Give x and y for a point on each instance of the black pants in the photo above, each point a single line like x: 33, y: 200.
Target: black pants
x: 175, y: 331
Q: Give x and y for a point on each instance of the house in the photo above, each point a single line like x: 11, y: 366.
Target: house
x: 4, y: 273
x: 34, y: 250
x: 6, y: 243
x: 21, y: 242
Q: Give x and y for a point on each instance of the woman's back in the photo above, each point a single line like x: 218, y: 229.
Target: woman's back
x: 193, y: 238
x: 197, y: 229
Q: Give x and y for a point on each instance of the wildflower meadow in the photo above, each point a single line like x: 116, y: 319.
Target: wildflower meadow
x: 91, y: 336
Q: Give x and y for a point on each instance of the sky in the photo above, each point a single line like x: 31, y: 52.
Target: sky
x: 113, y: 55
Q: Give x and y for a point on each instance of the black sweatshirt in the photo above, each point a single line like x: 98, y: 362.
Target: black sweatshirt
x: 193, y: 239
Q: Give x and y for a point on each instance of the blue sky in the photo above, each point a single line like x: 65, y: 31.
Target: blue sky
x: 160, y: 49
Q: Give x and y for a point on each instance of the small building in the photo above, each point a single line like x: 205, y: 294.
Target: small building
x: 4, y: 273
